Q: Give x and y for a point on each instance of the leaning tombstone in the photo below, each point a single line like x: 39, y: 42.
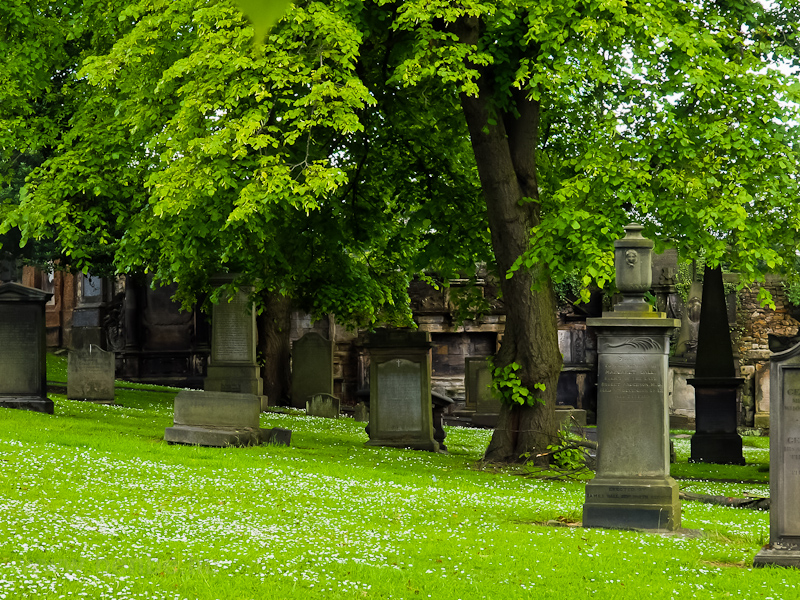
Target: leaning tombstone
x: 400, y: 411
x: 216, y: 419
x: 232, y: 367
x: 784, y: 459
x: 90, y: 375
x: 312, y: 368
x: 632, y: 488
x: 323, y: 405
x: 23, y: 348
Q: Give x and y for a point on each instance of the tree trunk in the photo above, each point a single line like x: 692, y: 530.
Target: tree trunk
x: 273, y: 339
x: 504, y: 145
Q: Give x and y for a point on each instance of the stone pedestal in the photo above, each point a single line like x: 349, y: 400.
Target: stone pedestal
x: 233, y: 366
x: 23, y: 348
x: 400, y: 412
x: 216, y: 419
x: 632, y: 488
x: 784, y: 462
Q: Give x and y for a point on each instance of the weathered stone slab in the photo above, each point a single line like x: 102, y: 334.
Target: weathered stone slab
x: 323, y: 405
x: 400, y: 391
x: 312, y: 368
x: 216, y: 419
x: 361, y: 413
x: 23, y: 370
x: 784, y: 461
x: 90, y: 375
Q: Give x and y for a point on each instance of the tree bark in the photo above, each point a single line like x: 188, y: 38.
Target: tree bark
x: 274, y: 325
x: 504, y: 144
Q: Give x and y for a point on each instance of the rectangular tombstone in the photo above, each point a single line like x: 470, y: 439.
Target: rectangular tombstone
x: 216, y: 419
x: 323, y: 405
x: 90, y: 375
x: 479, y: 393
x: 784, y: 462
x: 23, y: 367
x: 401, y: 410
x: 312, y: 368
x: 233, y: 367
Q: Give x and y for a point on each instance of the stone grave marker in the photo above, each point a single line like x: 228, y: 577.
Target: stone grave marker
x: 312, y: 368
x: 208, y: 418
x: 400, y: 412
x: 233, y: 367
x: 784, y: 461
x: 90, y: 375
x: 632, y: 488
x: 23, y: 348
x: 478, y: 378
x: 323, y: 405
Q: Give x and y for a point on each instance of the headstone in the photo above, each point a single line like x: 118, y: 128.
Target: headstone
x: 233, y: 367
x: 323, y: 405
x: 632, y: 488
x: 784, y: 461
x: 715, y: 383
x: 361, y: 413
x: 312, y: 368
x: 90, y: 375
x: 279, y: 437
x: 400, y: 412
x: 762, y: 393
x: 23, y: 366
x: 216, y: 419
x: 89, y: 314
x: 478, y: 392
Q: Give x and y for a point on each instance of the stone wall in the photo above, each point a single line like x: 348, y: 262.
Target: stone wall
x: 754, y: 323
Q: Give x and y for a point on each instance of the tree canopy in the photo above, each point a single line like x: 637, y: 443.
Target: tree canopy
x: 368, y: 141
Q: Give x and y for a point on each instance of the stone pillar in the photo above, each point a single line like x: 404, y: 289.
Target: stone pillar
x: 233, y: 367
x: 401, y: 411
x: 716, y: 440
x: 23, y: 348
x: 632, y: 488
x: 784, y: 461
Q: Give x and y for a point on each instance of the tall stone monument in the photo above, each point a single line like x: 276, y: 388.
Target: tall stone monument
x: 233, y: 367
x: 312, y: 368
x: 784, y: 460
x: 715, y: 382
x: 401, y: 411
x: 23, y: 348
x: 632, y: 488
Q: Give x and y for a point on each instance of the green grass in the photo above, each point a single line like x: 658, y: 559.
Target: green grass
x: 96, y: 505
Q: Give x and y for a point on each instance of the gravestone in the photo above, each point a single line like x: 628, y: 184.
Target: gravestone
x: 784, y: 461
x: 23, y: 348
x: 216, y: 419
x: 715, y: 383
x: 312, y: 368
x: 400, y: 411
x: 361, y: 413
x: 323, y: 405
x: 478, y: 392
x: 232, y: 367
x: 632, y: 488
x: 90, y: 375
x: 89, y: 315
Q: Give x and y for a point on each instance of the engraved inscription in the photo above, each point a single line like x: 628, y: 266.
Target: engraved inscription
x: 19, y: 351
x: 642, y: 344
x: 90, y: 375
x: 400, y: 396
x: 790, y: 466
x: 630, y: 382
x: 231, y: 337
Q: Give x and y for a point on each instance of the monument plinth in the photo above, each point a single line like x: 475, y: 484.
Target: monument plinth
x: 632, y: 488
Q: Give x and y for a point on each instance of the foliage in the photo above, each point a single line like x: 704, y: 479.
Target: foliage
x: 507, y: 385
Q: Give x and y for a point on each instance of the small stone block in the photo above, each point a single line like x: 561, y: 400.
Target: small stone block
x: 361, y: 413
x: 279, y: 437
x: 211, y: 436
x: 777, y: 557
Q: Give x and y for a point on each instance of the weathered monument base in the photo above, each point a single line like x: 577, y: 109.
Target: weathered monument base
x: 717, y: 448
x: 778, y: 556
x: 632, y: 504
x: 216, y: 419
x: 42, y: 405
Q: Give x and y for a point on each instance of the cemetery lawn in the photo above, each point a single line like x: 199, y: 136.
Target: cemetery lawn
x: 95, y: 504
